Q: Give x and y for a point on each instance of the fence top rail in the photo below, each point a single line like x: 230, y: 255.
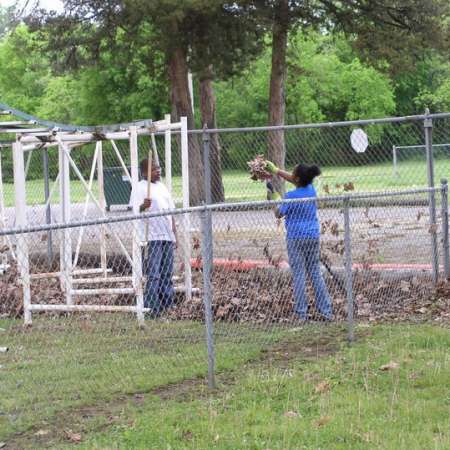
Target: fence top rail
x: 403, y: 119
x: 413, y: 118
x: 236, y: 206
x: 401, y: 147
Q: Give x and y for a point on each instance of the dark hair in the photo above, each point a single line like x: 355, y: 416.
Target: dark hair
x: 143, y: 165
x: 305, y: 174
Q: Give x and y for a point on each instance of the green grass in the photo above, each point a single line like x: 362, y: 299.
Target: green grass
x: 61, y: 364
x: 238, y: 186
x: 358, y: 406
x: 310, y: 391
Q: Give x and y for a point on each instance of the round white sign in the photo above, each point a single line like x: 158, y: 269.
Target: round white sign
x: 359, y: 140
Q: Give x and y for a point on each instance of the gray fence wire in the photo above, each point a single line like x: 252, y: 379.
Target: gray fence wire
x: 396, y: 158
x: 376, y: 262
x: 381, y: 258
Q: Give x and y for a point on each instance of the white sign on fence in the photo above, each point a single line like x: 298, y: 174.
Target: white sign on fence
x: 359, y: 140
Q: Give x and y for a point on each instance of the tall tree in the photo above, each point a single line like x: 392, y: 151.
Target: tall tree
x: 277, y: 99
x: 222, y: 42
x: 183, y: 31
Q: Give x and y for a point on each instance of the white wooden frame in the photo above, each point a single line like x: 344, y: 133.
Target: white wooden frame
x: 66, y: 142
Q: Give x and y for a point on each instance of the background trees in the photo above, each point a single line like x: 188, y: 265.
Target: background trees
x: 254, y: 62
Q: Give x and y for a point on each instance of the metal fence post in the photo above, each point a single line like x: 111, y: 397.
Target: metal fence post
x: 348, y: 268
x: 207, y: 256
x: 428, y: 129
x: 394, y: 160
x: 444, y: 214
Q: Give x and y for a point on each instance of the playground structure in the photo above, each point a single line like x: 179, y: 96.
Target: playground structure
x: 65, y: 142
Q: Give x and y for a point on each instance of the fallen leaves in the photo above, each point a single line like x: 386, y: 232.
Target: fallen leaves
x: 390, y: 366
x: 257, y: 168
x: 415, y: 375
x: 291, y: 414
x: 433, y: 228
x: 349, y: 186
x: 42, y: 432
x: 188, y: 435
x: 322, y: 421
x: 322, y: 387
x: 72, y: 437
x: 196, y: 243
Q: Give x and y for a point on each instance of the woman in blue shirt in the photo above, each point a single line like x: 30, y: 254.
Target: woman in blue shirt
x: 302, y: 239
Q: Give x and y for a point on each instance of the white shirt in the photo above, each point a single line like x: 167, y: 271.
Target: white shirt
x: 159, y: 228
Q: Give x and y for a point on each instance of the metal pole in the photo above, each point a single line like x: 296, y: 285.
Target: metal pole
x: 186, y: 203
x: 207, y: 255
x: 21, y: 220
x: 168, y: 155
x: 137, y: 254
x: 428, y: 129
x: 444, y: 213
x: 102, y: 202
x: 207, y: 165
x: 394, y: 157
x: 66, y: 240
x: 48, y: 210
x: 348, y: 269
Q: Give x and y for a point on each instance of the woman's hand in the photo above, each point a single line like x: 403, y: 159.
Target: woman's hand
x: 271, y: 167
x: 274, y: 170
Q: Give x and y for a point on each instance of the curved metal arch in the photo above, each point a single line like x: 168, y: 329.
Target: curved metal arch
x: 68, y: 127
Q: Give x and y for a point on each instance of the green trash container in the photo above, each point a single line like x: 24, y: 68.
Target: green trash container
x: 117, y: 186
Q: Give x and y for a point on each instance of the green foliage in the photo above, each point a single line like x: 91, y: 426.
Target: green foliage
x: 59, y: 99
x: 25, y: 72
x: 441, y: 97
x: 114, y: 90
x: 328, y: 82
x: 243, y: 101
x: 420, y: 88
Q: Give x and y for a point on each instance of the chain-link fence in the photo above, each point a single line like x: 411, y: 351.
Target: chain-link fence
x: 401, y: 153
x: 396, y: 157
x: 379, y: 259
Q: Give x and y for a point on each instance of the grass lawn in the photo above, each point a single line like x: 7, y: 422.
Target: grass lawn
x: 71, y: 383
x: 60, y: 364
x: 341, y: 401
x: 238, y: 186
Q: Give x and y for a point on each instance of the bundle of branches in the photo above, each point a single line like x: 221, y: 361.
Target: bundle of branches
x: 257, y: 168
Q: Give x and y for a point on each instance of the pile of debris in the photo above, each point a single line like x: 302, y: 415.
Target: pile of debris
x: 265, y: 295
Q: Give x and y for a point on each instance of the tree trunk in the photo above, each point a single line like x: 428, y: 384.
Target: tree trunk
x: 181, y: 106
x: 208, y: 114
x: 276, y: 150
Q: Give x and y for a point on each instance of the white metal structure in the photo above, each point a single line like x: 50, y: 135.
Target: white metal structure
x: 67, y: 144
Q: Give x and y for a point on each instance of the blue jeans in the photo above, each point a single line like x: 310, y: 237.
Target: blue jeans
x: 157, y: 267
x: 304, y: 259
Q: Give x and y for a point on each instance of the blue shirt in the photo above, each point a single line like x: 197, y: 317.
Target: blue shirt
x: 301, y: 218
